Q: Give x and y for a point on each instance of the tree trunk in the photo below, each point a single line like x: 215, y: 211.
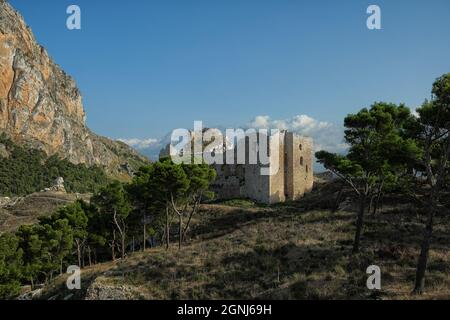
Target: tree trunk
x: 113, y: 245
x: 78, y: 252
x: 370, y: 204
x: 83, y: 255
x: 163, y: 234
x: 89, y: 256
x: 167, y: 228
x: 378, y: 197
x: 193, y: 211
x: 122, y: 232
x: 186, y: 228
x: 377, y: 204
x: 180, y: 218
x: 424, y: 253
x: 145, y: 236
x: 123, y: 245
x: 337, y: 202
x: 359, y: 223
x: 113, y: 252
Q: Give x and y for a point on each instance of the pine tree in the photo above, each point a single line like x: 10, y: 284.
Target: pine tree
x: 10, y: 266
x: 378, y: 150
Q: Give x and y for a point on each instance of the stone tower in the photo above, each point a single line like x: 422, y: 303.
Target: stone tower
x: 295, y: 176
x: 293, y: 179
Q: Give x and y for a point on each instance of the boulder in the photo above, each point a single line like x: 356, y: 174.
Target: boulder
x: 3, y: 152
x: 58, y: 185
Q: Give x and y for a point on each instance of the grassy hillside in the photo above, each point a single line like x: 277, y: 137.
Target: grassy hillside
x: 26, y: 210
x: 24, y: 170
x: 240, y: 251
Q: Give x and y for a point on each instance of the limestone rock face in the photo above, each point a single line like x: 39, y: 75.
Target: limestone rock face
x: 41, y: 106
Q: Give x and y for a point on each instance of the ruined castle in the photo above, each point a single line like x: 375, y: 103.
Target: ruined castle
x: 290, y: 180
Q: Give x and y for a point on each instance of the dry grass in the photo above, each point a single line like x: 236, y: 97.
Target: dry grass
x: 27, y: 210
x: 283, y: 252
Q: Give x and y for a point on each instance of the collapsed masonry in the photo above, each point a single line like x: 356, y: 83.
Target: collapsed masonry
x: 291, y: 181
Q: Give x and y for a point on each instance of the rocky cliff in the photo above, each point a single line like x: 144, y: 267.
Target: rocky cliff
x: 41, y: 106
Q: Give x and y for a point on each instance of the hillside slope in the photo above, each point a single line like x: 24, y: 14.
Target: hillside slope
x: 41, y: 106
x: 281, y: 252
x: 26, y: 210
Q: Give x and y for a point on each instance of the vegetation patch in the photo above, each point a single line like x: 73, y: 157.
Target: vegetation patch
x: 24, y: 171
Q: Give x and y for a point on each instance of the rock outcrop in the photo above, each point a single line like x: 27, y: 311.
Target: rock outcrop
x: 58, y: 185
x: 102, y: 290
x: 3, y: 152
x: 41, y: 106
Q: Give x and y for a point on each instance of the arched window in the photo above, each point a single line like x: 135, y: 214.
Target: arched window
x: 301, y: 161
x: 301, y: 147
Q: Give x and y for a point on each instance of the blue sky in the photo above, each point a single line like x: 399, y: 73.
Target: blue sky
x: 146, y: 67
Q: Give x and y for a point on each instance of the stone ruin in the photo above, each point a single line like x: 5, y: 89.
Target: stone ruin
x: 293, y: 180
x: 58, y: 186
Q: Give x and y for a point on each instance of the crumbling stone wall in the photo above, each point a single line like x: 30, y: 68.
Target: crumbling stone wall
x: 293, y: 179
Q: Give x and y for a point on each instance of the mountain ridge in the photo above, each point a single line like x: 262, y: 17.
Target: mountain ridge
x: 41, y: 106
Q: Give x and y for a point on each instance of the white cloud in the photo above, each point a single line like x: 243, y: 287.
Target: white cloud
x: 140, y: 143
x: 260, y: 122
x: 326, y: 135
x: 414, y: 112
